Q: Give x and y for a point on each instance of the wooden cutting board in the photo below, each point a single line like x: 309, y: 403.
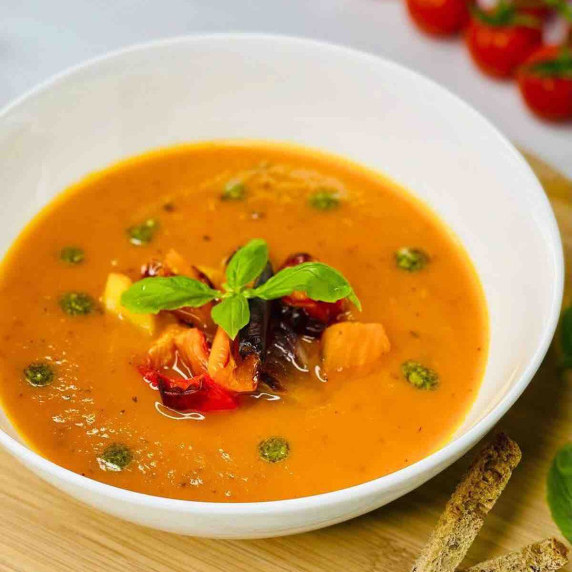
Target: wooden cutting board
x: 43, y: 530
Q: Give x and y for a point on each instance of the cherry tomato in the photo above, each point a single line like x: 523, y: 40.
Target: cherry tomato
x: 439, y: 17
x: 501, y: 41
x: 545, y: 82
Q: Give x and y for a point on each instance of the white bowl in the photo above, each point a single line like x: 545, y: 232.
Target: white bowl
x: 339, y: 100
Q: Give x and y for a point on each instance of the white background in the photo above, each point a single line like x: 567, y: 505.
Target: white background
x: 39, y: 38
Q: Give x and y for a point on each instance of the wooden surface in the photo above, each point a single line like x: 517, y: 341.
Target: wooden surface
x: 43, y: 530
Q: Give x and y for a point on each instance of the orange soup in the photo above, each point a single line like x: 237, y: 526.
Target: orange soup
x: 186, y: 324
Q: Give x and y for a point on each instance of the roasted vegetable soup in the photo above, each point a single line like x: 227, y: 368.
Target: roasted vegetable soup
x: 130, y: 357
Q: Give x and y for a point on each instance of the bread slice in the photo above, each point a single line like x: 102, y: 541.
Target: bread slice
x: 544, y: 556
x: 467, y: 508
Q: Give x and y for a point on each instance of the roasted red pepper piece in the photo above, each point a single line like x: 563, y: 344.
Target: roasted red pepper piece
x: 194, y: 394
x: 325, y: 312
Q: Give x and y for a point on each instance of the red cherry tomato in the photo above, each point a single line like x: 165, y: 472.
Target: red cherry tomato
x: 439, y: 17
x: 545, y: 82
x: 499, y: 50
x: 501, y: 39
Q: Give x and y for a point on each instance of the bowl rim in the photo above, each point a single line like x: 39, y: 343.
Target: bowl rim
x: 429, y: 465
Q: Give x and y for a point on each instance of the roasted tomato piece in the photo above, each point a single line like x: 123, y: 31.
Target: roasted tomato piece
x: 324, y: 312
x: 297, y: 258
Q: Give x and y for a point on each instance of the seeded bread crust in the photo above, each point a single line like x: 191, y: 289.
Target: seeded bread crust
x: 467, y: 508
x: 544, y: 556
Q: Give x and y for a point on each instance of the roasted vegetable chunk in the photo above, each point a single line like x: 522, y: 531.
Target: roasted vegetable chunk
x: 353, y: 346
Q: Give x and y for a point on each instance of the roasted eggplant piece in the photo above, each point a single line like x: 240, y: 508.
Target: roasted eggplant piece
x: 253, y: 337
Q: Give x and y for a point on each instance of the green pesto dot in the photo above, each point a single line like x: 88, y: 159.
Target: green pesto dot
x: 77, y: 303
x: 274, y: 449
x: 419, y: 376
x: 143, y: 233
x: 72, y: 255
x: 39, y: 374
x: 234, y: 191
x: 115, y: 457
x: 324, y: 200
x: 411, y: 259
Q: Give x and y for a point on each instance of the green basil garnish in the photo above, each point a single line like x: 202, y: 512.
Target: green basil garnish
x: 319, y: 281
x: 151, y: 295
x: 559, y: 490
x: 246, y: 264
x: 232, y: 314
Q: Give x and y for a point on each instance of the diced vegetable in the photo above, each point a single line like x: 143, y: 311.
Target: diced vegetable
x: 175, y: 263
x: 281, y: 349
x: 322, y: 312
x: 353, y: 346
x: 115, y: 286
x: 193, y: 348
x: 194, y: 394
x: 77, y: 303
x: 162, y: 352
x: 39, y: 374
x: 297, y: 258
x: 324, y: 200
x: 72, y: 255
x: 220, y: 353
x: 143, y: 233
x: 274, y: 449
x: 233, y: 191
x: 228, y: 371
x: 300, y: 322
x: 191, y: 344
x: 325, y: 312
x: 419, y: 376
x: 253, y: 337
x: 411, y: 259
x: 115, y: 457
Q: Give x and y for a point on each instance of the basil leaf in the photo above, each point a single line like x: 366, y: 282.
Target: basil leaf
x: 246, y: 264
x: 232, y: 314
x: 151, y: 295
x: 316, y: 279
x: 559, y: 494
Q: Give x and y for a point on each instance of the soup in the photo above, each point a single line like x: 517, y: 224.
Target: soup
x: 130, y: 357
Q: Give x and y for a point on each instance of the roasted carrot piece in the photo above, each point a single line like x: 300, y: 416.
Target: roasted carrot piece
x: 353, y: 346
